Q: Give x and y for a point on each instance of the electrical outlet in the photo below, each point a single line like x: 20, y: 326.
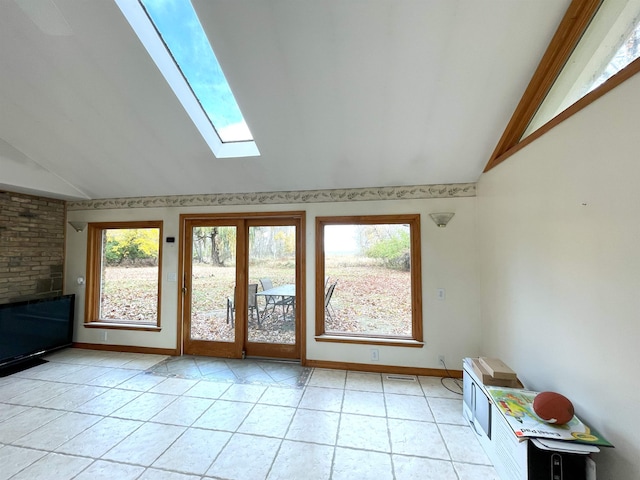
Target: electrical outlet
x: 441, y: 360
x: 375, y: 355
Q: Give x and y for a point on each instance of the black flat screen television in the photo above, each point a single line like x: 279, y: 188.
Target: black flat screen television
x: 32, y: 328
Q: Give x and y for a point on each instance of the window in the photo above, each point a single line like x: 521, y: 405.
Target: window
x: 176, y: 41
x: 123, y: 275
x: 610, y: 43
x: 595, y: 49
x: 368, y: 280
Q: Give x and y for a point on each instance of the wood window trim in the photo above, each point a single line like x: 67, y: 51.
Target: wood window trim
x: 617, y: 79
x: 369, y: 340
x: 121, y: 326
x: 569, y: 32
x: 416, y: 340
x: 93, y: 275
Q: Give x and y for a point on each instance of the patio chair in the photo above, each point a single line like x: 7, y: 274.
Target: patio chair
x: 273, y: 301
x: 252, y: 303
x: 327, y: 300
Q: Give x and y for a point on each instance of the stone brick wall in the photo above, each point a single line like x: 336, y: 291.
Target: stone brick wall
x: 32, y: 233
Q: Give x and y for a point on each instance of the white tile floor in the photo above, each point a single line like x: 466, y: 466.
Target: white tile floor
x: 98, y: 415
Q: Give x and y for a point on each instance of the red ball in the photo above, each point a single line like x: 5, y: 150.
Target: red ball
x: 553, y: 407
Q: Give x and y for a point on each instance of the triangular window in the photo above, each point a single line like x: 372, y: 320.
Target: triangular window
x: 610, y: 43
x: 596, y: 47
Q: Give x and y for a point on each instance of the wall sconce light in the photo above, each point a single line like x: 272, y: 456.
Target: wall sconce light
x: 78, y: 226
x: 441, y: 219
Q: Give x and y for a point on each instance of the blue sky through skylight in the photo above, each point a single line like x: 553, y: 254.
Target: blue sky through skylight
x: 181, y: 31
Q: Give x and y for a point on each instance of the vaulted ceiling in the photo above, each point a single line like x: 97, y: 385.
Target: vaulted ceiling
x: 337, y: 93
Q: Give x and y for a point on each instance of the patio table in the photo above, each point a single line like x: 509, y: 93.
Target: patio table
x: 286, y: 293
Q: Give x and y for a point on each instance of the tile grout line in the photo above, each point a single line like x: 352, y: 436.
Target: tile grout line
x: 185, y: 428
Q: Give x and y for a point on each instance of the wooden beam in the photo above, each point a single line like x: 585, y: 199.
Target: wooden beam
x: 569, y: 32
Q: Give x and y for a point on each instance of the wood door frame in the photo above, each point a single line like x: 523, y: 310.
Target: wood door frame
x: 296, y: 218
x: 203, y: 347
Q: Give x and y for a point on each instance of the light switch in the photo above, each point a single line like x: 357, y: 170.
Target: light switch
x: 172, y: 277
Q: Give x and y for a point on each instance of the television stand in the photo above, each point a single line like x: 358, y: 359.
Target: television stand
x: 21, y: 366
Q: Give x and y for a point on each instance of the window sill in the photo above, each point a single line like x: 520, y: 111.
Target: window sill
x: 122, y: 326
x: 389, y: 342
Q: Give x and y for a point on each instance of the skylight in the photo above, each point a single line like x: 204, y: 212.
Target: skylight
x: 610, y: 43
x: 173, y: 36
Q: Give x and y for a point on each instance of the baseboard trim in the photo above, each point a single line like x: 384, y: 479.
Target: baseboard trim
x: 366, y: 367
x: 358, y: 367
x: 127, y: 348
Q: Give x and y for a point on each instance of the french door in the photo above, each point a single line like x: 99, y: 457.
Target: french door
x: 242, y: 287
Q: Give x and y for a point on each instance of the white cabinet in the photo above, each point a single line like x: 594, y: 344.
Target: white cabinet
x: 516, y: 459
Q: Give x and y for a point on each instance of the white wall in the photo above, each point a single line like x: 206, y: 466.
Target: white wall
x: 449, y: 260
x: 559, y: 237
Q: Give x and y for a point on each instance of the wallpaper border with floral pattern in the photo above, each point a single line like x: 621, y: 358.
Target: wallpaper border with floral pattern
x: 304, y: 196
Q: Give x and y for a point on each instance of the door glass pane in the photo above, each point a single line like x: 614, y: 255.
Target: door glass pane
x: 213, y: 277
x: 272, y: 267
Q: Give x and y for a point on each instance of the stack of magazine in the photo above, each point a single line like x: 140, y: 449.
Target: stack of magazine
x: 516, y: 405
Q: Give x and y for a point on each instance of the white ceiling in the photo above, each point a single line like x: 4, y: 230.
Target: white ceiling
x: 337, y: 93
